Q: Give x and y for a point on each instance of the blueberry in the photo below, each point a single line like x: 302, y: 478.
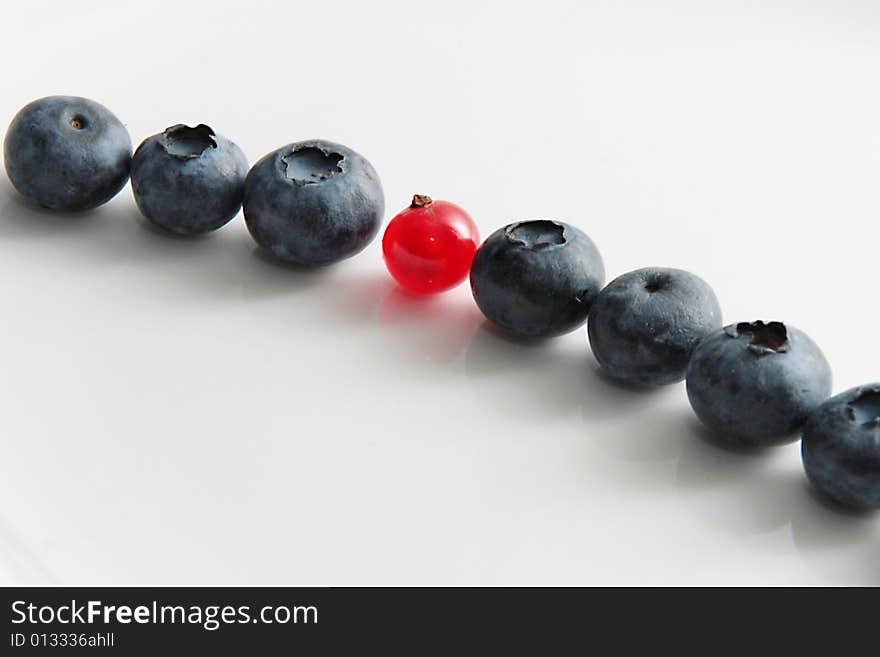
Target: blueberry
x: 537, y: 279
x: 313, y: 202
x: 645, y: 325
x: 188, y: 180
x: 755, y: 384
x: 67, y: 153
x: 841, y: 447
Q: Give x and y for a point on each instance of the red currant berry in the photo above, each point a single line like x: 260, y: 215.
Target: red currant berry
x: 429, y: 246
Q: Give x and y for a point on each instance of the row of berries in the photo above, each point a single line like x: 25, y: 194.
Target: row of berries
x: 317, y: 202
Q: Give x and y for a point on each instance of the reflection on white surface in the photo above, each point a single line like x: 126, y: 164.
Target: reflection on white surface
x: 187, y: 411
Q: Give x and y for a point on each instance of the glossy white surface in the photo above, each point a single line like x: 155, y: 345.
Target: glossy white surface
x: 183, y: 411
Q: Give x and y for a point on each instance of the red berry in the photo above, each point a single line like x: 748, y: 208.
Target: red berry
x: 429, y: 246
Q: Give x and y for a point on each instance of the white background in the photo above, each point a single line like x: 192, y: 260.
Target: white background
x: 183, y: 411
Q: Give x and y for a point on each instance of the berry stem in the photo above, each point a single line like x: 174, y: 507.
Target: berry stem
x: 421, y: 201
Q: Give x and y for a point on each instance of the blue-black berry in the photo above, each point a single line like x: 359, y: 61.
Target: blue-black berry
x: 188, y: 180
x: 644, y: 325
x: 538, y: 278
x: 841, y: 447
x: 755, y: 383
x: 313, y: 202
x: 67, y: 153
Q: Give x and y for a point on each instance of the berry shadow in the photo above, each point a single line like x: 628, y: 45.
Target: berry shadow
x: 426, y: 329
x: 84, y: 240
x: 111, y: 233
x: 265, y: 275
x: 669, y: 431
x: 737, y: 491
x: 22, y: 218
x: 842, y: 511
x: 549, y: 377
x: 626, y: 392
x: 641, y: 437
x: 154, y: 229
x: 220, y: 265
x: 697, y: 429
x: 840, y: 544
x: 745, y: 491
